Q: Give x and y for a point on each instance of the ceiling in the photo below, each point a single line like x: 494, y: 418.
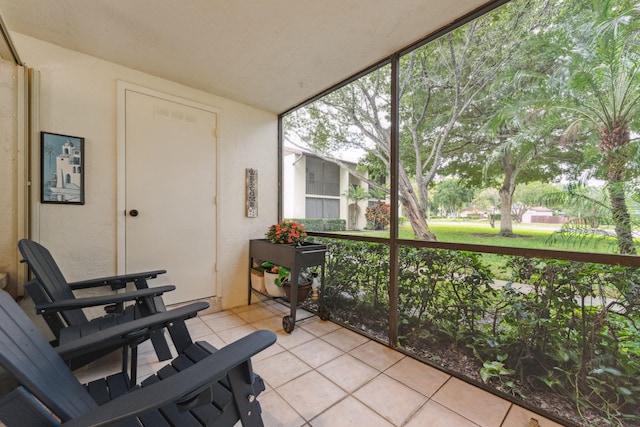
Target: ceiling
x: 268, y: 54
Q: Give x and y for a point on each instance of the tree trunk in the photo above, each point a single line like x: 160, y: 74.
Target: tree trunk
x: 506, y: 194
x: 622, y: 220
x: 615, y: 161
x: 415, y: 214
x: 506, y: 224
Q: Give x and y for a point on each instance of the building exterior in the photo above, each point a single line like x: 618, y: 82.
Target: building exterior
x: 317, y: 188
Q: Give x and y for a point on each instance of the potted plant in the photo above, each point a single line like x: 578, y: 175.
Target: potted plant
x: 286, y: 232
x: 305, y: 282
x: 274, y: 275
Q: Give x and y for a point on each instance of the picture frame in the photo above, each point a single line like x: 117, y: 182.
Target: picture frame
x: 61, y: 169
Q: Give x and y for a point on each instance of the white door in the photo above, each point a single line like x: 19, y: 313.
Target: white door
x: 170, y: 194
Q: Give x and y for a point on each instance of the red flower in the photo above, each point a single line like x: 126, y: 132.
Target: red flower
x: 286, y: 232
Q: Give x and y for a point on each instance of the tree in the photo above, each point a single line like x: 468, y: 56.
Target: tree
x: 523, y: 136
x: 591, y: 211
x: 377, y: 194
x: 602, y: 65
x: 532, y: 194
x: 439, y: 83
x: 497, y: 110
x: 356, y: 193
x: 451, y: 196
x: 519, y: 150
x: 488, y: 199
x: 513, y: 139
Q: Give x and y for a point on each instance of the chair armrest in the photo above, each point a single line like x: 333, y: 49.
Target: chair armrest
x: 62, y: 305
x: 128, y: 331
x: 180, y: 386
x: 115, y: 281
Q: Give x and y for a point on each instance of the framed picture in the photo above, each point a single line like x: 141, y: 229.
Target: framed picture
x: 61, y: 168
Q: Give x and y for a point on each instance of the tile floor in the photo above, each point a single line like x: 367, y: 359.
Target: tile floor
x: 326, y: 375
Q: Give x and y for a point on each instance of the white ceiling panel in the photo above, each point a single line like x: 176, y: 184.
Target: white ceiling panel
x: 271, y: 54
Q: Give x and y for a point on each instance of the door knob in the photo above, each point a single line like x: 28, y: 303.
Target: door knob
x: 133, y: 212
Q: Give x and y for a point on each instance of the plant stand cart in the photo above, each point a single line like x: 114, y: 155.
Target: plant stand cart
x: 295, y: 258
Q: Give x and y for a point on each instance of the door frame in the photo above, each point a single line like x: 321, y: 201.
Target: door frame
x: 122, y: 88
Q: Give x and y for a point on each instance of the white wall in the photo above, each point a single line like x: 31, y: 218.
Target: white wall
x: 78, y: 97
x: 294, y: 186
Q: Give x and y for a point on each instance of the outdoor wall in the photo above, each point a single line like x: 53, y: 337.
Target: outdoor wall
x: 8, y: 177
x: 78, y: 97
x: 294, y: 175
x: 344, y: 189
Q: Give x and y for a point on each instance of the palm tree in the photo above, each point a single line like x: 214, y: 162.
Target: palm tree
x: 357, y: 194
x: 604, y: 86
x: 591, y: 210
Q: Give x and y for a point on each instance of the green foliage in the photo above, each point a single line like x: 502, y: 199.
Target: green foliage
x: 451, y: 196
x: 282, y: 272
x: 496, y: 372
x: 377, y: 194
x: 534, y: 194
x: 443, y: 294
x: 357, y: 282
x: 322, y: 224
x: 356, y: 194
x: 593, y: 221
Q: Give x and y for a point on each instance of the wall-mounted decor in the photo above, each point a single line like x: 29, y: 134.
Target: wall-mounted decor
x: 252, y: 193
x: 61, y: 168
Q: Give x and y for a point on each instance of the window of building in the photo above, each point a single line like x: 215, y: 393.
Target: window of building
x: 323, y: 177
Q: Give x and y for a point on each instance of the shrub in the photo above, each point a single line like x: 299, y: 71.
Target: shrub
x: 379, y: 215
x: 322, y: 224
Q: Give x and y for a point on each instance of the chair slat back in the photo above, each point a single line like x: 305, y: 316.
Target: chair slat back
x: 26, y: 355
x: 54, y: 319
x: 46, y: 270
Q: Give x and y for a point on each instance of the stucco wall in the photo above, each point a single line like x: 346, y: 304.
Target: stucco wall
x: 78, y: 97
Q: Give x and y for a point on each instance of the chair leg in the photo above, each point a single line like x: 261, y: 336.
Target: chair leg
x: 125, y: 359
x: 147, y: 307
x: 133, y: 374
x: 160, y: 345
x: 134, y: 366
x: 241, y: 382
x: 180, y: 335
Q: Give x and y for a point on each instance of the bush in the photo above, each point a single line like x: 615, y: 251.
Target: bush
x: 322, y: 224
x: 379, y: 215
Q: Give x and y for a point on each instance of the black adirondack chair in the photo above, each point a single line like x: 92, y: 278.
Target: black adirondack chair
x: 202, y: 386
x: 55, y: 301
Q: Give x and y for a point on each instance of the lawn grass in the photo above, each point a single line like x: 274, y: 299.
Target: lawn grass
x: 483, y: 234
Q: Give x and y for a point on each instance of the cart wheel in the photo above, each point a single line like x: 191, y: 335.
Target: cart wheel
x: 288, y: 324
x: 323, y: 312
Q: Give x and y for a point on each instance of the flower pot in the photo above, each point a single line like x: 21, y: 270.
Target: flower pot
x: 257, y: 280
x: 303, y: 290
x: 270, y: 285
